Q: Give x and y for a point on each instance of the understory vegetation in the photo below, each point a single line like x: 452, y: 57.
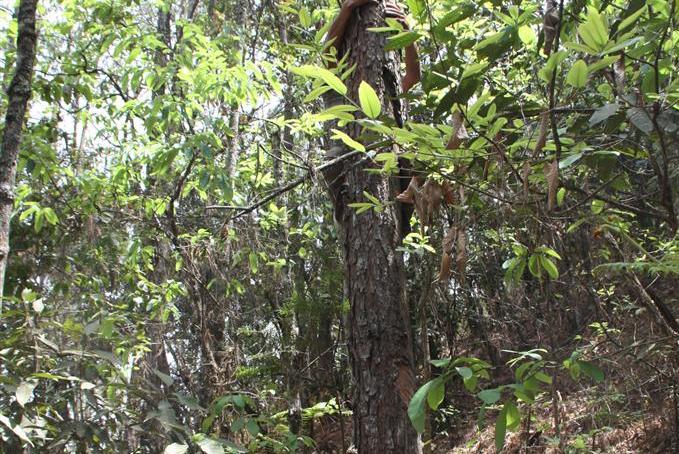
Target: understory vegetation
x: 227, y: 234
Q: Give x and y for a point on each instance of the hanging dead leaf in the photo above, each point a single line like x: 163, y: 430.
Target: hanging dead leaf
x: 542, y: 134
x: 619, y: 74
x: 552, y: 177
x: 408, y: 196
x: 447, y: 254
x: 461, y: 256
x: 448, y: 194
x: 459, y: 132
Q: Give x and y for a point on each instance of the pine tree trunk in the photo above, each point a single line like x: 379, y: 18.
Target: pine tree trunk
x: 18, y: 94
x: 379, y: 324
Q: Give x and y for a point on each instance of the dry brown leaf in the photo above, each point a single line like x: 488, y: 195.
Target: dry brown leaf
x: 409, y: 195
x: 552, y: 177
x: 461, y: 256
x: 542, y: 134
x: 619, y: 74
x: 448, y: 194
x: 444, y: 271
x: 459, y: 132
x: 447, y: 254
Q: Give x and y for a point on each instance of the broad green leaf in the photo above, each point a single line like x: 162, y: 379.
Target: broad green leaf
x: 401, y: 40
x: 527, y: 35
x: 543, y: 377
x: 500, y: 429
x: 316, y: 92
x: 512, y: 414
x: 18, y: 430
x: 440, y: 362
x: 473, y: 69
x: 591, y: 371
x: 549, y: 266
x: 597, y: 206
x: 163, y: 377
x: 370, y: 102
x: 629, y: 20
x: 436, y: 394
x: 577, y: 75
x: 210, y: 446
x: 253, y: 260
x: 24, y: 392
x: 465, y: 372
x: 50, y: 215
x: 534, y: 265
x: 603, y: 113
x: 640, y: 118
x: 175, y: 448
x: 416, y: 407
x: 252, y: 427
x: 348, y: 141
x: 489, y: 396
x: 326, y: 76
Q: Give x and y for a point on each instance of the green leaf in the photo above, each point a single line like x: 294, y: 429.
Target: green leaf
x: 401, y: 40
x: 603, y: 113
x: 629, y: 20
x: 465, y: 372
x: 253, y: 260
x: 591, y: 371
x: 526, y: 34
x: 38, y: 221
x: 315, y: 93
x: 512, y: 415
x: 473, y: 69
x: 500, y: 429
x: 594, y: 32
x: 489, y: 396
x: 577, y: 76
x: 175, y: 448
x: 416, y: 407
x: 50, y: 215
x: 534, y: 265
x: 163, y: 377
x: 543, y: 377
x: 440, y: 362
x: 24, y: 392
x: 210, y: 446
x: 640, y: 118
x: 326, y: 76
x: 597, y: 206
x: 560, y: 194
x: 370, y: 102
x: 550, y: 267
x: 436, y: 394
x: 252, y: 427
x: 348, y: 141
x: 106, y: 328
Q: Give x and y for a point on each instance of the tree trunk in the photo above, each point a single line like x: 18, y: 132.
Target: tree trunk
x: 379, y: 324
x: 18, y: 94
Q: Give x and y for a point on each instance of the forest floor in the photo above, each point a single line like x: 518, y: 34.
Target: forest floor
x: 592, y: 421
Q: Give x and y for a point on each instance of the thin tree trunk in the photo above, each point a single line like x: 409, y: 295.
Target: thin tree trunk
x: 379, y: 323
x: 18, y: 94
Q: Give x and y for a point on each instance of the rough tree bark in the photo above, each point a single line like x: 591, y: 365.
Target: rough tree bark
x: 18, y: 94
x: 379, y: 324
